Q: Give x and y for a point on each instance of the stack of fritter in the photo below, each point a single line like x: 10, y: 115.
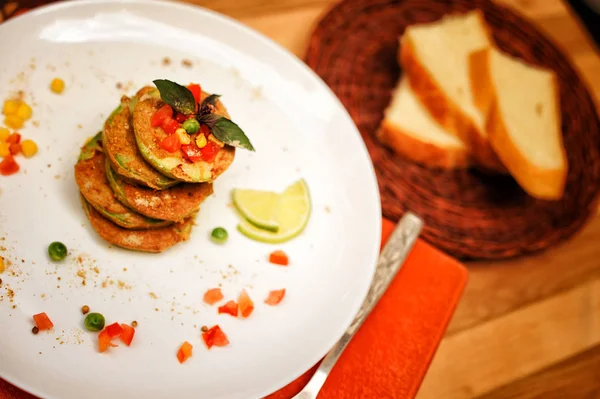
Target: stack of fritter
x: 137, y: 194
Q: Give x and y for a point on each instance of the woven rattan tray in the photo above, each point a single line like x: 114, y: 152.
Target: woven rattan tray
x: 467, y: 214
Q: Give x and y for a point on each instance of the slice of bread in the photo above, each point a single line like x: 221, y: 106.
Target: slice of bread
x: 410, y: 131
x: 523, y: 120
x: 435, y: 57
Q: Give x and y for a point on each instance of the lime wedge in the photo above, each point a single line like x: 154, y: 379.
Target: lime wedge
x: 291, y: 215
x: 257, y: 207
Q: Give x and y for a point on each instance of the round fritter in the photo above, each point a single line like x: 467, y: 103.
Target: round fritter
x: 90, y: 175
x: 175, y: 203
x: 175, y: 165
x: 121, y: 148
x: 154, y: 240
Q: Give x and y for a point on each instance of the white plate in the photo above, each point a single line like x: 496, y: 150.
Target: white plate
x: 299, y: 130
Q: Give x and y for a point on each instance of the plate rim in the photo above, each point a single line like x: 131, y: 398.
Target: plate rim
x: 181, y: 6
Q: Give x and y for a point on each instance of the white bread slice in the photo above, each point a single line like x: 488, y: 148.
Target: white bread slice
x: 435, y: 57
x: 523, y: 120
x: 410, y: 131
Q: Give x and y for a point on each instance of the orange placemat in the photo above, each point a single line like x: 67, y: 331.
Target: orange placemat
x: 390, y: 354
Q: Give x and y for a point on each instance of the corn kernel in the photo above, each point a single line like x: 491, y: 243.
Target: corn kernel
x: 13, y: 121
x: 1, y: 264
x: 24, y: 112
x: 201, y: 141
x: 184, y: 138
x: 29, y: 148
x: 57, y: 85
x: 4, y: 133
x: 215, y: 140
x: 11, y: 107
x: 4, y: 150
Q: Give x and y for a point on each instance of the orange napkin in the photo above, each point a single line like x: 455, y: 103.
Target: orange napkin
x: 390, y: 354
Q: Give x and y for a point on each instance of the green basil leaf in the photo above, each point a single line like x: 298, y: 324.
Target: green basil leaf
x: 177, y: 96
x: 226, y: 131
x: 212, y: 99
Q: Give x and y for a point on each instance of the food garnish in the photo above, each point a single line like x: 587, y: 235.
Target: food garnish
x: 214, y: 336
x: 94, y: 322
x: 184, y: 352
x: 275, y: 297
x: 219, y: 235
x: 184, y: 100
x: 245, y: 303
x: 42, y: 321
x: 213, y: 296
x: 191, y: 126
x: 271, y: 217
x: 230, y: 307
x: 57, y: 251
x: 279, y: 258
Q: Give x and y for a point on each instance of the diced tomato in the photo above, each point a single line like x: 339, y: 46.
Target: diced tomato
x: 275, y: 297
x: 9, y: 166
x: 196, y: 91
x: 114, y: 330
x: 42, y: 321
x: 184, y: 352
x: 127, y: 334
x: 104, y: 341
x: 14, y: 138
x: 279, y: 258
x: 14, y: 148
x: 159, y: 116
x: 213, y: 296
x: 180, y: 117
x: 246, y: 304
x: 204, y: 129
x: 170, y: 125
x: 171, y: 143
x: 230, y: 307
x: 215, y: 337
x: 209, y: 151
x: 191, y: 152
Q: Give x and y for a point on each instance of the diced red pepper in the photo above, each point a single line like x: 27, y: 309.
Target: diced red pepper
x: 171, y: 143
x: 230, y: 307
x: 204, y: 129
x: 104, y: 341
x: 170, y: 125
x: 14, y: 138
x: 275, y: 297
x: 246, y: 304
x: 196, y: 91
x: 14, y: 148
x: 114, y: 330
x: 127, y: 334
x: 159, y: 116
x: 184, y: 352
x: 191, y: 152
x: 8, y: 166
x: 42, y: 321
x: 279, y: 258
x: 181, y: 117
x: 215, y: 337
x: 209, y: 151
x: 213, y: 296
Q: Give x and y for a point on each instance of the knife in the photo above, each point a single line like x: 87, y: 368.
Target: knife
x: 391, y: 259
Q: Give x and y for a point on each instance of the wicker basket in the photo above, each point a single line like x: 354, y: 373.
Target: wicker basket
x: 467, y: 213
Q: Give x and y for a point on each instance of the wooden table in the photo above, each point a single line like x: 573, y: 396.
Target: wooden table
x: 525, y: 328
x: 528, y: 327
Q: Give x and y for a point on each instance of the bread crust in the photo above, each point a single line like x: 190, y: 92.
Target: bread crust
x: 405, y: 144
x: 548, y: 184
x: 444, y: 110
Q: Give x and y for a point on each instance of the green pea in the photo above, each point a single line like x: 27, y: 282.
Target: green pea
x: 57, y: 251
x: 219, y: 235
x: 94, y: 322
x: 191, y: 126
